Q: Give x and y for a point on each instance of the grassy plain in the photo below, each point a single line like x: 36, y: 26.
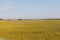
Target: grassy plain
x: 30, y: 29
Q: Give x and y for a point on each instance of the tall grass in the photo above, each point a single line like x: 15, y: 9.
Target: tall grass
x: 30, y: 29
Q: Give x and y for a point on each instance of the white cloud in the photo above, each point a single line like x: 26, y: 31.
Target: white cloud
x: 5, y: 7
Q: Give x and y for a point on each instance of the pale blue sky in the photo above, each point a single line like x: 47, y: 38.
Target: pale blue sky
x: 30, y: 9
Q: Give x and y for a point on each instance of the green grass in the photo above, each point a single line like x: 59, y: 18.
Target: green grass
x: 30, y: 29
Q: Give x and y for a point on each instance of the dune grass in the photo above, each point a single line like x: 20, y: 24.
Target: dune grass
x: 30, y: 29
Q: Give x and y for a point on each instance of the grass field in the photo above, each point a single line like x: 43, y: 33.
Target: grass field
x: 30, y: 30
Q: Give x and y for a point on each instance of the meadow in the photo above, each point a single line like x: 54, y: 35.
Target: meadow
x: 30, y: 30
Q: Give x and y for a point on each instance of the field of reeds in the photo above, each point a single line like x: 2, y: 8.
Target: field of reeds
x: 30, y: 30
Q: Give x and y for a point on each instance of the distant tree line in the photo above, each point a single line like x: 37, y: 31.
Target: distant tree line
x: 31, y: 19
x: 10, y: 19
x: 51, y: 19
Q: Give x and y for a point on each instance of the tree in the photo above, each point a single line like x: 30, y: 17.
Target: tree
x: 1, y: 19
x: 19, y: 19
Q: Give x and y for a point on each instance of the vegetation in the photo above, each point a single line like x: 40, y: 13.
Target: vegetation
x: 30, y: 29
x: 1, y: 19
x: 19, y: 19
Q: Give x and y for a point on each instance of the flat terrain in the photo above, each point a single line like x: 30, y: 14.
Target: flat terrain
x: 30, y: 30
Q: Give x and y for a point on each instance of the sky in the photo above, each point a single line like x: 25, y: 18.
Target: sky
x: 29, y: 9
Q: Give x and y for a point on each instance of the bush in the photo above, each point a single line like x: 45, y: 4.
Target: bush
x: 19, y: 19
x: 1, y: 19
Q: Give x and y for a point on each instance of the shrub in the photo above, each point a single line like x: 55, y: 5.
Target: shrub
x: 19, y: 19
x: 1, y: 19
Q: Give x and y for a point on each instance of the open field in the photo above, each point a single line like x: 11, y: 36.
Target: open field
x: 30, y: 30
